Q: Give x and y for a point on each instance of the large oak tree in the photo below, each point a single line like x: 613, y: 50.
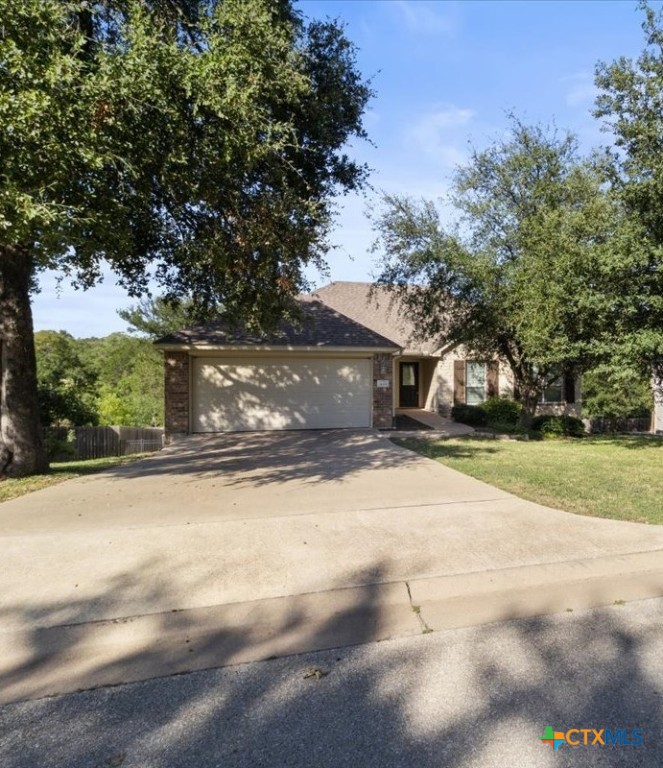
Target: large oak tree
x: 198, y: 143
x: 519, y: 273
x: 630, y: 102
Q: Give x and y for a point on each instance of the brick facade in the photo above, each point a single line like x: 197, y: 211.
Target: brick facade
x: 383, y: 396
x: 176, y: 373
x: 177, y: 398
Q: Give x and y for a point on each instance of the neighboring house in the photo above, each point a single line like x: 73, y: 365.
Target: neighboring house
x: 353, y: 362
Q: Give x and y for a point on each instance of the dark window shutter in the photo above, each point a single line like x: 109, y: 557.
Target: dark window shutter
x: 459, y: 382
x: 569, y: 387
x: 492, y: 379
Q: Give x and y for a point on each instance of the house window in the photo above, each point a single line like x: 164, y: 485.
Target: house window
x: 475, y: 381
x: 475, y: 386
x: 554, y: 392
x: 408, y: 377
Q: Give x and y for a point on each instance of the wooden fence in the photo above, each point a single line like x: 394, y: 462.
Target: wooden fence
x: 69, y: 443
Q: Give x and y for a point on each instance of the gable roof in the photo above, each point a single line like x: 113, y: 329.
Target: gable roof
x: 379, y: 309
x: 322, y: 326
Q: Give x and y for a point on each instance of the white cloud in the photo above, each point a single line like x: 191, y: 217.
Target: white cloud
x: 436, y: 135
x: 452, y: 117
x: 581, y: 89
x: 426, y: 17
x: 371, y: 118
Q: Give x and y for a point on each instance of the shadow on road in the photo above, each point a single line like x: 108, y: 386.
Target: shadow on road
x: 447, y: 699
x: 49, y: 648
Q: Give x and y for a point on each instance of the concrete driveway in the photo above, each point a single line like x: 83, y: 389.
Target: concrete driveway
x: 239, y: 547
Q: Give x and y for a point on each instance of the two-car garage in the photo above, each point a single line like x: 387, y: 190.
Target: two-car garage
x: 268, y: 393
x: 326, y: 371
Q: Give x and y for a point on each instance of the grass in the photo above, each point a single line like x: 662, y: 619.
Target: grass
x: 614, y: 477
x: 12, y: 487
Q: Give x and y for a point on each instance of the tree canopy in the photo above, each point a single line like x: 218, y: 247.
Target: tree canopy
x: 630, y: 102
x: 130, y: 380
x: 155, y: 317
x: 516, y: 276
x: 196, y: 143
x: 66, y: 381
x: 115, y: 380
x: 202, y: 148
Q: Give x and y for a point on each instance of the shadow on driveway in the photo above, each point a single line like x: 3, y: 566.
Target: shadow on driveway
x: 260, y: 458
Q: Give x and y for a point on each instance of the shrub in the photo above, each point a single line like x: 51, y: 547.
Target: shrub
x: 506, y: 428
x: 558, y: 426
x: 59, y: 448
x: 616, y: 393
x: 472, y: 415
x: 501, y: 410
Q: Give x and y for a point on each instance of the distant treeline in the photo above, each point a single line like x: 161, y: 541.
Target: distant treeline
x: 115, y: 380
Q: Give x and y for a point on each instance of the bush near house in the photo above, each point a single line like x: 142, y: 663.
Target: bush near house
x: 502, y: 415
x: 558, y: 426
x: 617, y: 398
x: 472, y: 415
x: 502, y: 410
x: 499, y: 413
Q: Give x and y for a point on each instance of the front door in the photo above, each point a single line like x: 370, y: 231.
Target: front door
x: 409, y: 386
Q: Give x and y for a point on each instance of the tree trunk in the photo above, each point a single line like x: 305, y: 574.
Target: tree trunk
x: 21, y: 445
x: 529, y: 399
x: 527, y: 414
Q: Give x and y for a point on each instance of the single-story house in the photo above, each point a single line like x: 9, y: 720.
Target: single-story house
x: 431, y: 374
x: 353, y: 362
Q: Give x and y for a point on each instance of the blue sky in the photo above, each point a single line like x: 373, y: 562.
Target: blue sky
x: 446, y: 74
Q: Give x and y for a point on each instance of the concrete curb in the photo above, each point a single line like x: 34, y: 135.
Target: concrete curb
x: 450, y: 602
x: 52, y: 660
x: 40, y: 662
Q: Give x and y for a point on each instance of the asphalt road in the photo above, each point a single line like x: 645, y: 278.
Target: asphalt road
x: 471, y: 697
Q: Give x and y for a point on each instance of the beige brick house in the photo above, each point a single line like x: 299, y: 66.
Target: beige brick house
x: 428, y: 374
x: 354, y: 362
x: 329, y: 372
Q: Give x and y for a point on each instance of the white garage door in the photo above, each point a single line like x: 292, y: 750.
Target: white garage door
x: 240, y: 394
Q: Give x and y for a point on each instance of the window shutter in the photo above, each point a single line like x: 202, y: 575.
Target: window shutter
x: 492, y: 379
x: 569, y: 387
x: 459, y: 382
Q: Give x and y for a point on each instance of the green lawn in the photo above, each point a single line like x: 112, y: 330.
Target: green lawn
x: 11, y: 487
x: 614, y: 477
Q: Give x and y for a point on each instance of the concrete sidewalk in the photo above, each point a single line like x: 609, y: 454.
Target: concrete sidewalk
x: 244, y: 547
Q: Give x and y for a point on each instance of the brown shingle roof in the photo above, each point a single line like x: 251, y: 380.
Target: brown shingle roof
x: 379, y: 309
x: 322, y: 326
